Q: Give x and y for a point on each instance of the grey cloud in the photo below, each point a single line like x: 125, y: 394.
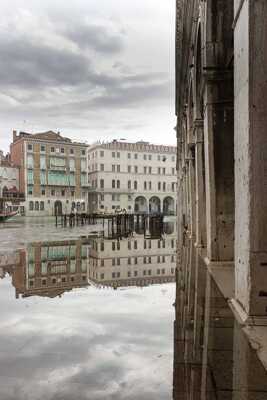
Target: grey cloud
x: 97, y: 37
x: 26, y: 64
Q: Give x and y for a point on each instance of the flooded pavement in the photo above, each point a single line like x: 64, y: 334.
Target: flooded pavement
x: 213, y: 359
x: 85, y: 317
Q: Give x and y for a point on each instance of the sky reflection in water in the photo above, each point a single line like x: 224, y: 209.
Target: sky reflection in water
x: 91, y: 342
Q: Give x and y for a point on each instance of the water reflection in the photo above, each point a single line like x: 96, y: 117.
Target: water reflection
x: 63, y: 338
x: 212, y: 356
x: 51, y: 268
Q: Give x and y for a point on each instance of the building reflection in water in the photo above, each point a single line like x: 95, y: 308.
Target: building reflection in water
x: 213, y: 359
x: 49, y: 269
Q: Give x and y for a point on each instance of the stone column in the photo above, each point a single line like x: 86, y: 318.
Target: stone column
x: 201, y: 235
x: 250, y: 33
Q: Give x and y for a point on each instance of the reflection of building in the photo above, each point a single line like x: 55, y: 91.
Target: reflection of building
x: 137, y: 177
x: 53, y: 172
x: 213, y: 359
x: 135, y: 261
x: 50, y: 268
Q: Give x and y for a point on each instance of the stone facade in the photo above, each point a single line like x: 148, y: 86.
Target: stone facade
x: 53, y: 173
x: 9, y: 177
x: 138, y: 177
x: 221, y: 107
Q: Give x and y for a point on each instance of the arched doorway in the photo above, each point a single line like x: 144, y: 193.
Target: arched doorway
x: 140, y: 204
x: 58, y: 208
x: 169, y: 206
x: 154, y: 205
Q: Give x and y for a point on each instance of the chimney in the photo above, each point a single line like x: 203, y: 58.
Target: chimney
x: 14, y: 136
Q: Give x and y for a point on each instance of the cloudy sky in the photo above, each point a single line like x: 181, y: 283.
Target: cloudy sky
x: 91, y: 69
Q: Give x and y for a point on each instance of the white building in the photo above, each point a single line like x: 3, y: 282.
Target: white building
x: 138, y: 177
x: 136, y: 261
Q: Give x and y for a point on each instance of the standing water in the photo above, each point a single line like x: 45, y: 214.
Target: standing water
x: 84, y: 316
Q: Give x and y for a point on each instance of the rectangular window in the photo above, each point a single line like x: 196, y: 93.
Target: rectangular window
x: 159, y: 186
x: 113, y: 197
x: 129, y: 261
x: 129, y: 169
x: 164, y: 171
x: 63, y: 193
x: 129, y: 185
x: 30, y: 147
x: 150, y: 157
x: 135, y: 244
x: 43, y: 179
x: 129, y: 155
x: 30, y: 177
x: 113, y: 168
x: 144, y: 156
x: 118, y: 168
x: 145, y: 186
x: 42, y: 162
x: 102, y: 153
x: 150, y: 170
x: 84, y: 179
x: 159, y: 169
x: 145, y: 170
x: 113, y: 154
x: 102, y: 167
x: 136, y: 260
x: 118, y: 184
x: 83, y: 152
x: 30, y: 161
x: 113, y: 184
x: 71, y: 151
x: 30, y: 190
x: 129, y: 245
x: 118, y: 154
x: 150, y: 185
x: 62, y: 150
x: 52, y: 149
x: 102, y: 183
x: 83, y: 164
x: 164, y: 186
x: 72, y: 164
x: 136, y: 156
x: 42, y: 148
x: 136, y: 169
x: 43, y: 192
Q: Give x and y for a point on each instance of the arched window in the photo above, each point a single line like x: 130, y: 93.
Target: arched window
x: 31, y: 206
x: 37, y: 206
x: 41, y: 206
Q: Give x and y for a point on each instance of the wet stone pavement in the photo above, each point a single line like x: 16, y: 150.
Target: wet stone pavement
x: 85, y: 317
x: 213, y: 359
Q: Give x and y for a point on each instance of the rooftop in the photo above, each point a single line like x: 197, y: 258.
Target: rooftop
x: 134, y: 146
x: 50, y: 136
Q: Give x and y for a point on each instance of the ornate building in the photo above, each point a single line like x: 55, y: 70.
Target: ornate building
x: 53, y: 172
x: 138, y: 177
x: 221, y: 107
